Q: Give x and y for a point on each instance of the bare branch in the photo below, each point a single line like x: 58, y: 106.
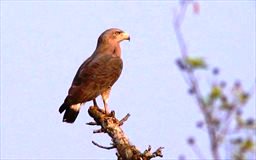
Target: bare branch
x: 111, y: 125
x: 124, y: 119
x: 158, y: 152
x: 92, y: 123
x: 103, y: 147
x: 99, y: 131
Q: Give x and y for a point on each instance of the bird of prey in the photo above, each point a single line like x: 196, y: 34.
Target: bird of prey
x: 96, y: 75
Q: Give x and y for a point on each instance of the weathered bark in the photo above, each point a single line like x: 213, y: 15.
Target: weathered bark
x: 112, y: 126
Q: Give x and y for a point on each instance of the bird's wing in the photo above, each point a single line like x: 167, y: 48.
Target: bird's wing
x: 93, y: 76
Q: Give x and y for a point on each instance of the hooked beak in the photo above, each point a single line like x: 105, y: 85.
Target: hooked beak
x: 126, y: 36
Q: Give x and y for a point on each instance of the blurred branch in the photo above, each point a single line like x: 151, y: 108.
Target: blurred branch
x: 112, y: 126
x: 192, y: 80
x: 216, y: 107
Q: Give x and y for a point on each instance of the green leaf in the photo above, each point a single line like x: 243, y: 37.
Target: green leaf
x: 243, y: 97
x: 195, y: 63
x: 247, y: 145
x: 215, y: 92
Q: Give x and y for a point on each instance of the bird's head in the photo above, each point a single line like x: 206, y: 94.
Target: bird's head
x: 113, y: 35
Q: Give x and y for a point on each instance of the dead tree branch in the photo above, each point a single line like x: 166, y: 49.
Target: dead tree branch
x: 112, y: 126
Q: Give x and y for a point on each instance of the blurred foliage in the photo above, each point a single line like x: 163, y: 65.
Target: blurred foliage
x: 225, y: 108
x: 222, y: 107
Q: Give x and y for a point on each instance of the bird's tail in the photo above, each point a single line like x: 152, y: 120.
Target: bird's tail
x: 71, y: 112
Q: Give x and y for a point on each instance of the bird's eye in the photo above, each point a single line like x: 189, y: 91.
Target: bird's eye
x: 118, y: 32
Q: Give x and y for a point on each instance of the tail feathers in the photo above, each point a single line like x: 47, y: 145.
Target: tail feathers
x: 63, y: 107
x: 71, y: 112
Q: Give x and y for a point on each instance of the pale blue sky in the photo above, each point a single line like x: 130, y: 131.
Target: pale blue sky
x: 44, y: 42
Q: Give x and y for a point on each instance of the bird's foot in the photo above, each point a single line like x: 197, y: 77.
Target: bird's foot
x: 107, y: 110
x: 95, y: 103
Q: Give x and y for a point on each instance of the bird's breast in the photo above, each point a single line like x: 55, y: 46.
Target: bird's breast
x: 109, y: 72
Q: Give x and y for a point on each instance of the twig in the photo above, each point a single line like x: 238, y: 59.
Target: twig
x: 103, y: 147
x: 223, y: 133
x: 158, y: 152
x: 92, y: 123
x: 197, y: 151
x: 99, y: 131
x: 124, y: 119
